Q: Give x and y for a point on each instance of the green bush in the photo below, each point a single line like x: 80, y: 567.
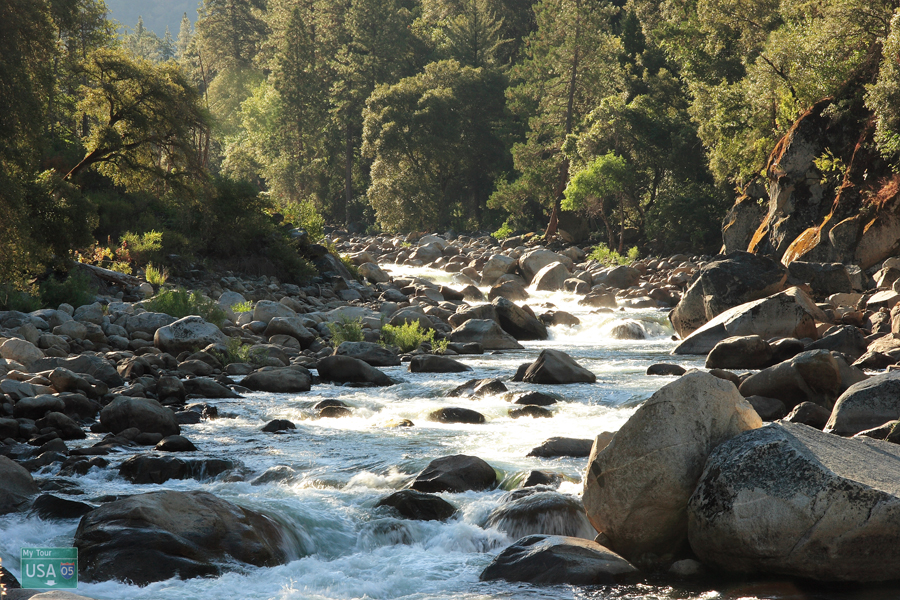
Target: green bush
x: 242, y: 307
x: 12, y: 298
x: 504, y: 232
x: 75, y: 289
x: 238, y: 352
x: 179, y: 303
x: 156, y: 276
x: 345, y: 330
x: 602, y: 254
x: 407, y: 337
x: 142, y: 247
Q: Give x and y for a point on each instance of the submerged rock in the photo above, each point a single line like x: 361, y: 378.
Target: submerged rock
x: 541, y: 512
x: 419, y: 506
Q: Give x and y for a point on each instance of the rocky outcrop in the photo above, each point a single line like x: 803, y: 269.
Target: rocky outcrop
x: 738, y: 278
x: 790, y: 313
x: 790, y: 499
x: 637, y: 488
x: 549, y: 559
x: 160, y: 535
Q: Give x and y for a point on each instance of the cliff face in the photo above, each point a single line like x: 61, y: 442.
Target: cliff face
x: 827, y: 195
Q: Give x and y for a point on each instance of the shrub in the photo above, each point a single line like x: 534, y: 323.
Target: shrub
x: 237, y: 352
x: 345, y: 330
x: 12, y: 298
x: 242, y: 307
x: 602, y: 254
x: 75, y: 289
x: 179, y: 303
x: 156, y: 276
x: 504, y: 232
x: 140, y: 247
x: 407, y: 337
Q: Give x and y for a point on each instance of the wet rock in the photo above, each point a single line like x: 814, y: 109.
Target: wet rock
x: 485, y: 332
x: 530, y: 511
x: 551, y: 278
x: 175, y: 443
x: 518, y: 322
x: 555, y: 367
x: 49, y: 507
x: 793, y: 500
x: 533, y: 261
x: 541, y: 478
x: 628, y: 329
x: 476, y: 388
x: 279, y: 380
x: 866, y: 404
x: 18, y: 486
x: 666, y: 369
x: 453, y: 414
x: 549, y: 559
x: 160, y: 535
x: 637, y: 489
x: 535, y: 399
x: 464, y: 313
x: 369, y: 352
x: 419, y: 506
x: 208, y: 388
x: 344, y: 369
x: 334, y: 412
x: 276, y: 474
x: 563, y: 446
x: 740, y: 352
x: 457, y: 473
x: 148, y: 468
x: 65, y: 426
x: 529, y: 411
x: 278, y: 425
x: 430, y: 363
x: 145, y: 414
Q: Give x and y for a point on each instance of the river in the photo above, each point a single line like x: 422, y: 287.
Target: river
x: 337, y: 469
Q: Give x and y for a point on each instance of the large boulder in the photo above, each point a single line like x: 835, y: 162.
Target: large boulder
x: 622, y: 277
x: 290, y: 326
x: 96, y: 366
x: 464, y: 313
x: 790, y: 499
x: 824, y: 279
x: 637, y: 488
x: 533, y: 261
x: 532, y: 511
x: 21, y: 351
x: 373, y: 273
x: 562, y: 446
x: 187, y: 334
x: 147, y: 322
x: 517, y: 321
x: 738, y: 278
x: 555, y: 367
x: 740, y: 352
x: 266, y: 310
x: 18, y: 486
x: 145, y: 414
x: 149, y: 468
x: 278, y: 380
x: 160, y: 535
x: 370, y: 352
x: 485, y: 332
x: 790, y: 313
x: 345, y: 369
x: 496, y: 267
x: 551, y: 277
x: 846, y: 339
x: 866, y: 405
x: 812, y: 376
x: 427, y: 253
x: 457, y: 473
x: 419, y: 506
x: 549, y: 559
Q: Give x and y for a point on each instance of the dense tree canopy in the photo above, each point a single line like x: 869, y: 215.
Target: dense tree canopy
x: 644, y: 116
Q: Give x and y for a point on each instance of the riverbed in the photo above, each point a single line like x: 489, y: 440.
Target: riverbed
x: 323, y: 479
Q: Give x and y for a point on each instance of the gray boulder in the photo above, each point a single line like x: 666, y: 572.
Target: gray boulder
x: 485, y: 332
x: 866, y: 404
x: 419, y: 506
x: 531, y: 511
x: 370, y: 352
x: 517, y: 321
x: 186, y: 334
x: 18, y: 486
x: 623, y: 277
x: 738, y: 278
x: 145, y: 414
x: 551, y: 278
x: 266, y: 310
x: 551, y: 559
x: 555, y: 367
x: 740, y: 352
x: 533, y: 261
x: 429, y: 363
x: 457, y: 473
x: 160, y: 535
x: 637, y: 488
x: 279, y: 380
x: 290, y: 326
x: 846, y: 339
x: 793, y: 500
x: 21, y: 351
x: 813, y: 376
x: 373, y: 273
x: 344, y: 369
x: 562, y: 446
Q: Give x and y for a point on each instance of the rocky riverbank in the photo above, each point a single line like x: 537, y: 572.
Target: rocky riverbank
x: 782, y: 344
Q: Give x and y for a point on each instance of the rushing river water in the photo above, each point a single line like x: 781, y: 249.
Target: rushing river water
x: 337, y: 469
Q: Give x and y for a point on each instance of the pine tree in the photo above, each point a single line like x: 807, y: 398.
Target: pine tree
x: 185, y: 35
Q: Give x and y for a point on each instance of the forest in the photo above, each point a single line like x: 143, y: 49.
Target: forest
x: 646, y: 118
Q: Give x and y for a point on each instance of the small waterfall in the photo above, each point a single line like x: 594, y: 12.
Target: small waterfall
x: 546, y: 512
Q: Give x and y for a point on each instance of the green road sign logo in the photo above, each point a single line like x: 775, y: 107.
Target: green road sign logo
x: 54, y: 568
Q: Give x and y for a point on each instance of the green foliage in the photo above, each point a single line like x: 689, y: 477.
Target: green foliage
x: 13, y: 298
x: 75, y: 289
x: 345, y: 330
x: 883, y: 97
x: 605, y: 177
x: 242, y: 307
x: 407, y: 337
x: 142, y: 247
x: 602, y: 254
x: 156, y: 276
x: 504, y: 232
x: 304, y: 215
x: 181, y: 303
x: 829, y: 165
x: 238, y: 352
